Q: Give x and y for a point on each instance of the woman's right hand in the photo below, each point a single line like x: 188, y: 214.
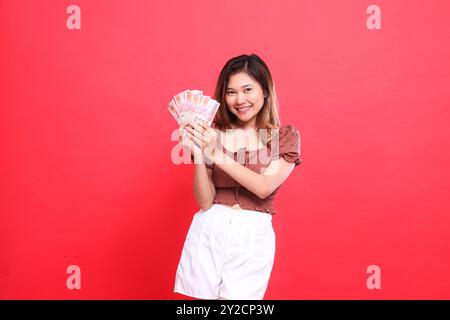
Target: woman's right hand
x: 186, y: 140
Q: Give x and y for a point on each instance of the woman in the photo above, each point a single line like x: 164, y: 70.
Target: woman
x: 239, y: 166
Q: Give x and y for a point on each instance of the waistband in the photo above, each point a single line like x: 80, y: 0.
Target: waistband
x: 241, y: 214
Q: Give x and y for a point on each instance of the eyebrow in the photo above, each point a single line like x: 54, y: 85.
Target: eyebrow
x: 245, y: 85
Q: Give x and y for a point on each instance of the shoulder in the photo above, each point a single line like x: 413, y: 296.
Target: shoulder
x: 288, y: 129
x: 286, y: 144
x: 289, y: 134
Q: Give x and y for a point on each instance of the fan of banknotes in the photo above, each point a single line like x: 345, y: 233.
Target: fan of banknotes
x: 193, y: 105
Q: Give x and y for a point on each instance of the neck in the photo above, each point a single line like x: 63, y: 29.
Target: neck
x: 247, y: 125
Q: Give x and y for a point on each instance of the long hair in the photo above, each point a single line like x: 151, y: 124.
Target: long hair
x: 255, y: 67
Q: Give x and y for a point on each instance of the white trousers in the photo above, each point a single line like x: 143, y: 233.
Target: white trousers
x: 228, y: 254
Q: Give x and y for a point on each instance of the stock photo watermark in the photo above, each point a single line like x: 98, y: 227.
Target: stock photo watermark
x: 373, y: 21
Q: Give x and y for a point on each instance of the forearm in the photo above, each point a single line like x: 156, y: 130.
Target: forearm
x: 249, y: 179
x: 204, y: 192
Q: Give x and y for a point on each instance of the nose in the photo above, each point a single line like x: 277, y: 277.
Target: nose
x: 240, y: 98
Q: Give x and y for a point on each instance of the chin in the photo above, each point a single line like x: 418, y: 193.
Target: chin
x: 245, y: 119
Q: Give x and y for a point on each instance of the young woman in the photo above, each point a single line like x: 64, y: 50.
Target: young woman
x: 240, y: 162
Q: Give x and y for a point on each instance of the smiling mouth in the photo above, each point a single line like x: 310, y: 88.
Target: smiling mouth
x: 243, y: 109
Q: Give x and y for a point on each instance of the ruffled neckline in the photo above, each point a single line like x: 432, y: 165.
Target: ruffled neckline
x: 219, y: 142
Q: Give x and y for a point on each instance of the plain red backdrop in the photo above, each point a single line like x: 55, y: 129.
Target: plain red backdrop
x: 86, y: 173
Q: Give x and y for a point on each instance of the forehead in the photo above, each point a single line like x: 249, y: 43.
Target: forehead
x: 241, y: 79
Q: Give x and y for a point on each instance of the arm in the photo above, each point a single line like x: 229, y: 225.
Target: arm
x: 261, y: 185
x: 204, y: 189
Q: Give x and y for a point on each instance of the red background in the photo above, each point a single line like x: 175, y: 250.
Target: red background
x: 86, y: 173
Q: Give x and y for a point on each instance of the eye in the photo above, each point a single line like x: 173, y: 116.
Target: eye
x: 230, y: 92
x: 247, y: 89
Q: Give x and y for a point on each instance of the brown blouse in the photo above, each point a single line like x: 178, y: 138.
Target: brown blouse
x: 230, y: 192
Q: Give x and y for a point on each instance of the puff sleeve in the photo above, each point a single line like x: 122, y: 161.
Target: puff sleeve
x: 288, y: 147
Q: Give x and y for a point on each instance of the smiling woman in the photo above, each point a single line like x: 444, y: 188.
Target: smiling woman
x: 244, y: 99
x: 230, y: 247
x: 246, y: 81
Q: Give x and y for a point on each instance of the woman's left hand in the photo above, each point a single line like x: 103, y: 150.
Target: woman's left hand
x: 204, y: 137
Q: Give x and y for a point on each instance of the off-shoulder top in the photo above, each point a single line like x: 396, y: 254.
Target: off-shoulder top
x: 285, y: 144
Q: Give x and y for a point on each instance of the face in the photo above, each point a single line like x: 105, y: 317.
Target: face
x: 244, y: 98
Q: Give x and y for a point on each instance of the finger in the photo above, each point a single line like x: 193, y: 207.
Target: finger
x: 189, y: 141
x: 204, y: 125
x: 193, y: 137
x: 210, y: 130
x: 184, y: 124
x: 196, y: 140
x: 194, y: 132
x: 184, y: 139
x: 187, y: 137
x: 196, y: 127
x: 182, y: 131
x: 205, y: 129
x: 209, y: 137
x: 182, y: 134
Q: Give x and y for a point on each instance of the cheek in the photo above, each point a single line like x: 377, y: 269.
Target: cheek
x: 258, y: 99
x: 229, y: 101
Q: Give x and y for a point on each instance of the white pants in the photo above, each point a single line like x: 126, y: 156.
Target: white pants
x: 228, y: 254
